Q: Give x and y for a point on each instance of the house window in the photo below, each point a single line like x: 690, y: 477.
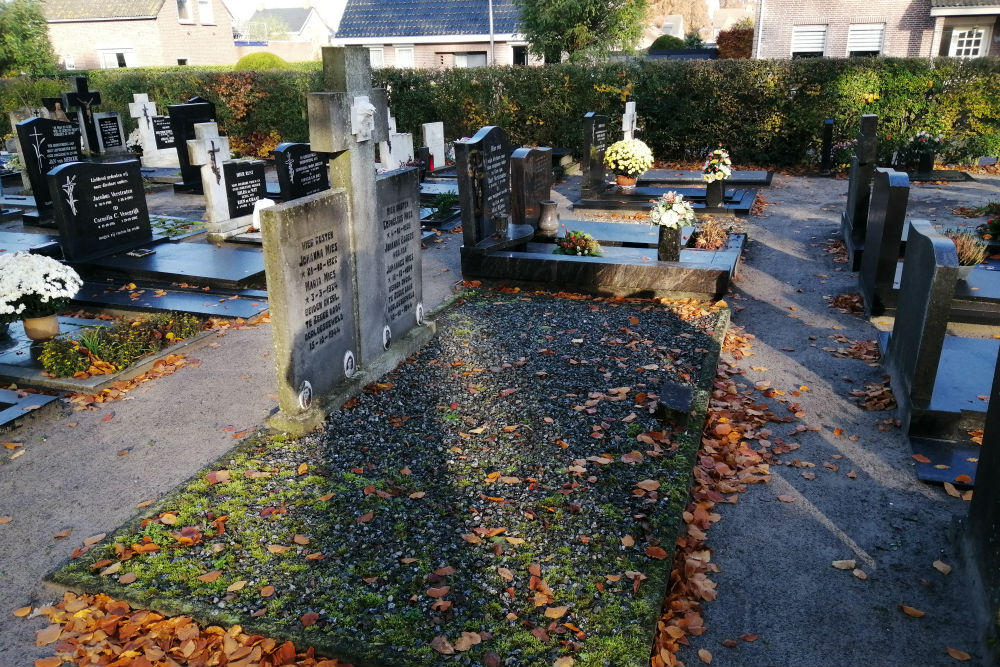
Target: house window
x: 471, y: 59
x: 184, y: 11
x: 69, y: 62
x: 404, y: 56
x: 520, y: 55
x: 969, y: 41
x: 376, y: 56
x: 808, y: 41
x: 865, y: 39
x: 205, y: 13
x: 114, y: 58
x: 182, y: 61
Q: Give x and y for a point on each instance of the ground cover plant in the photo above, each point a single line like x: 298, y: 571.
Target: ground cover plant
x: 506, y: 493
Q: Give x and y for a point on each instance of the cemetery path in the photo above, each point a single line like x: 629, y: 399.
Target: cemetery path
x: 850, y: 491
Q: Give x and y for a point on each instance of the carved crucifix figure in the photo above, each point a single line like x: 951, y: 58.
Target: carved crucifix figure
x: 141, y: 107
x: 212, y: 152
x: 84, y: 100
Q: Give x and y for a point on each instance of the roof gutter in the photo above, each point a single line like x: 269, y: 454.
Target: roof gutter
x: 110, y: 18
x: 423, y: 39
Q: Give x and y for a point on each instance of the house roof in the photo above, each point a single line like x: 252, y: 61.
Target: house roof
x: 426, y: 18
x: 83, y: 10
x: 964, y: 3
x: 293, y: 17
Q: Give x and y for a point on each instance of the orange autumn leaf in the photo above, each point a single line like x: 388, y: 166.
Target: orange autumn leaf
x: 23, y: 611
x: 438, y: 592
x: 910, y: 611
x: 366, y: 517
x: 51, y: 661
x: 267, y: 591
x: 920, y: 458
x: 309, y: 618
x: 656, y: 552
x: 209, y: 577
x: 556, y: 612
x: 303, y: 468
x: 963, y: 479
x: 325, y: 497
x: 48, y: 634
x: 958, y: 654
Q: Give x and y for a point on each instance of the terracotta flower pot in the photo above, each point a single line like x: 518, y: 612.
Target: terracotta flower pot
x: 41, y: 328
x: 624, y: 181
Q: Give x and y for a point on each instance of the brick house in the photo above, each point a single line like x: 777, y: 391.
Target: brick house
x: 293, y: 33
x: 898, y: 28
x: 95, y: 34
x: 434, y: 33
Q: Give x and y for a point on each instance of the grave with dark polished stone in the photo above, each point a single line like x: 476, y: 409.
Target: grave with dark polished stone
x: 983, y: 524
x: 163, y: 132
x: 301, y: 171
x: 936, y: 377
x: 595, y: 145
x: 663, y: 177
x: 244, y: 183
x: 47, y: 144
x: 530, y: 183
x: 484, y: 189
x: 15, y: 405
x: 826, y: 149
x: 183, y: 118
x: 854, y: 219
x: 110, y: 133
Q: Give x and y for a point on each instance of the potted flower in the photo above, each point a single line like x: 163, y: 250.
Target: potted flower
x: 577, y: 243
x: 924, y: 145
x: 34, y: 288
x: 628, y: 159
x: 717, y: 168
x: 670, y: 213
x: 970, y: 249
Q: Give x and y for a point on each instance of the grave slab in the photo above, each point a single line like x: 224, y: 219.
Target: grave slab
x: 738, y: 201
x: 215, y: 303
x: 14, y: 406
x: 197, y: 263
x: 662, y: 177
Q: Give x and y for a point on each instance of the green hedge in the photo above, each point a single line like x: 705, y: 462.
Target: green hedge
x: 764, y: 112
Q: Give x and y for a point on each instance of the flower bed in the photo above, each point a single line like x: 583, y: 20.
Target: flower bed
x: 504, y: 495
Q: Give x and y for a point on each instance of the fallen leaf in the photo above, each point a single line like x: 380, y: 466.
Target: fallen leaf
x: 94, y: 539
x: 416, y: 495
x: 366, y: 517
x: 301, y: 539
x: 556, y: 612
x: 705, y: 656
x: 127, y: 578
x: 236, y: 586
x: 628, y: 541
x: 467, y: 641
x: 950, y: 489
x: 648, y: 485
x: 563, y: 661
x: 963, y: 479
x: 438, y: 592
x: 910, y: 611
x: 168, y: 519
x: 728, y: 643
x: 787, y: 499
x: 108, y: 417
x: 47, y: 635
x: 942, y: 567
x: 442, y: 645
x: 656, y: 552
x: 920, y: 458
x: 209, y: 577
x: 844, y: 564
x: 309, y: 618
x: 325, y: 497
x: 303, y: 468
x: 505, y: 574
x: 62, y: 533
x: 958, y: 654
x: 51, y: 661
x: 23, y: 611
x: 6, y: 519
x: 277, y: 548
x: 267, y: 591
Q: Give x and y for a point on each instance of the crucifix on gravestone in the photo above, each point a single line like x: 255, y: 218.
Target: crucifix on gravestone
x: 347, y: 123
x: 630, y: 122
x: 84, y: 100
x: 149, y: 127
x: 208, y: 150
x: 142, y: 110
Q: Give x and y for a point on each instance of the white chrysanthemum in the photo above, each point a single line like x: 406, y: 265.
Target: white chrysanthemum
x: 30, y: 284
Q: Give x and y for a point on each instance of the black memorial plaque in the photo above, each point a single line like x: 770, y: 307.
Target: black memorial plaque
x: 483, y: 182
x: 163, y: 132
x: 244, y: 185
x: 47, y: 144
x: 109, y: 131
x: 100, y: 209
x: 301, y: 171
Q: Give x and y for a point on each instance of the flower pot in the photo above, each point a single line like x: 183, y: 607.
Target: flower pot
x: 715, y: 193
x: 41, y: 328
x: 625, y: 182
x: 669, y: 247
x: 925, y: 163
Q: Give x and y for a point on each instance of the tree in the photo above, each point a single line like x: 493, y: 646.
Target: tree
x: 24, y: 39
x: 580, y: 28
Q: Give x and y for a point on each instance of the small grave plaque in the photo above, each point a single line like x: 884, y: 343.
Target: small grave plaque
x: 110, y: 135
x: 163, y: 132
x: 595, y: 143
x: 301, y: 171
x: 245, y: 185
x: 483, y: 182
x: 100, y: 209
x: 47, y: 144
x: 531, y: 183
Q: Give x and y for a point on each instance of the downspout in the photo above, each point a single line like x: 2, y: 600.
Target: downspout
x: 759, y: 27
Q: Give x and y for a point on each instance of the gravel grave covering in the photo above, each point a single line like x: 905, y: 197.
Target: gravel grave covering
x: 505, y: 496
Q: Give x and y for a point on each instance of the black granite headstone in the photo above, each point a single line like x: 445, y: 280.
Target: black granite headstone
x: 826, y: 154
x: 84, y: 100
x: 854, y: 219
x: 530, y: 182
x: 984, y: 512
x: 183, y: 118
x: 483, y: 182
x: 163, y: 132
x: 47, y: 144
x: 244, y: 183
x: 301, y: 171
x: 100, y: 208
x: 110, y: 136
x: 886, y: 217
x: 595, y: 143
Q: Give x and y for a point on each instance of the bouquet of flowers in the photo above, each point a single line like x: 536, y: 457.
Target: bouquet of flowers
x: 628, y: 157
x: 718, y: 166
x: 577, y: 243
x: 924, y: 142
x: 672, y: 211
x: 34, y: 286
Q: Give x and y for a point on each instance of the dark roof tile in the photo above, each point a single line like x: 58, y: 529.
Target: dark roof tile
x: 426, y: 18
x: 83, y: 10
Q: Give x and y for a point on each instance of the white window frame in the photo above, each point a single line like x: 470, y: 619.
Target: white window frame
x: 185, y: 11
x: 69, y: 62
x: 127, y: 52
x: 804, y: 39
x: 860, y: 38
x: 206, y: 13
x: 462, y: 58
x: 405, y: 55
x: 984, y: 42
x: 376, y: 56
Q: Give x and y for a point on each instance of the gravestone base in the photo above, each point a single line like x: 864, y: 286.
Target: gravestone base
x: 224, y: 229
x: 944, y: 175
x: 13, y: 406
x: 401, y: 349
x: 855, y: 248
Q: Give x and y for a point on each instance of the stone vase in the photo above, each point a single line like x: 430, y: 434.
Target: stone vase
x: 625, y: 182
x: 548, y: 218
x: 715, y: 193
x: 41, y: 328
x: 669, y: 247
x: 925, y: 163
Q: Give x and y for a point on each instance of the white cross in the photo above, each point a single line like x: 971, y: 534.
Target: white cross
x: 629, y: 121
x: 141, y: 107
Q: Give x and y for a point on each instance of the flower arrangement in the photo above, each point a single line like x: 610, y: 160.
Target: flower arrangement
x: 34, y: 285
x: 13, y: 163
x: 924, y: 142
x: 672, y: 211
x: 842, y: 152
x: 577, y: 243
x: 971, y: 250
x: 628, y: 157
x: 718, y: 166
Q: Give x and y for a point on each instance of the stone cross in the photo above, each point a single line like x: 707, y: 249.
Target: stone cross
x: 208, y: 150
x: 348, y: 122
x: 144, y: 112
x: 84, y: 99
x: 629, y: 121
x: 142, y: 108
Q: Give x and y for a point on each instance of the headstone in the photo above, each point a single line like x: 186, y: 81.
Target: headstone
x: 183, y: 118
x: 208, y: 151
x: 483, y: 182
x: 595, y: 143
x: 110, y: 133
x: 855, y: 217
x: 301, y: 171
x: 100, y: 209
x: 630, y: 121
x: 826, y: 152
x: 16, y: 116
x: 84, y: 100
x: 245, y: 186
x: 984, y: 512
x: 434, y: 140
x: 399, y: 221
x: 46, y: 144
x: 422, y: 157
x: 530, y: 183
x: 400, y: 149
x: 886, y: 218
x: 156, y: 137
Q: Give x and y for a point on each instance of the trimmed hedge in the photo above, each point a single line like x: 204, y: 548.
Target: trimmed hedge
x: 763, y: 111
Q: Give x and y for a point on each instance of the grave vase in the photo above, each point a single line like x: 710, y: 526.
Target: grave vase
x: 548, y: 218
x: 925, y: 163
x: 625, y: 182
x: 41, y: 328
x: 669, y: 247
x: 715, y: 193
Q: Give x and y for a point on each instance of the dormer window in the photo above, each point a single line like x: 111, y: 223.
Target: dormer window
x: 184, y: 12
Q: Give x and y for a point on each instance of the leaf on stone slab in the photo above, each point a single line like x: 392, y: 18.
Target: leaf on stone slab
x: 48, y: 634
x: 942, y: 567
x: 730, y: 643
x: 705, y: 656
x: 62, y: 533
x: 958, y: 654
x: 51, y: 661
x: 860, y: 574
x: 845, y: 564
x: 920, y: 458
x: 749, y: 637
x: 23, y: 611
x: 910, y: 611
x: 787, y: 499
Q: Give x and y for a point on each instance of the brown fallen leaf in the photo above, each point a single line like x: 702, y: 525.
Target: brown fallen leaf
x: 910, y: 611
x: 942, y: 567
x: 467, y: 641
x: 94, y: 539
x: 705, y: 656
x: 62, y: 533
x: 277, y: 548
x: 563, y: 661
x: 844, y: 564
x: 860, y: 574
x: 366, y: 517
x: 556, y: 612
x: 209, y: 577
x: 267, y: 591
x: 656, y: 552
x: 505, y: 574
x: 438, y: 592
x: 648, y: 485
x: 51, y: 661
x: 920, y: 458
x: 236, y: 586
x: 48, y: 634
x: 127, y: 578
x: 787, y: 499
x: 442, y: 645
x: 950, y: 489
x: 958, y: 654
x: 309, y: 618
x: 300, y: 539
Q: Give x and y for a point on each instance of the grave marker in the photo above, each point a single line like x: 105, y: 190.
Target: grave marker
x: 110, y: 133
x: 244, y: 184
x: 854, y: 219
x: 399, y: 220
x: 16, y: 116
x: 630, y: 121
x: 183, y: 118
x: 84, y: 100
x: 531, y: 183
x: 434, y: 140
x: 886, y: 219
x: 301, y: 171
x: 984, y: 512
x: 826, y: 152
x: 155, y: 134
x: 595, y: 143
x: 47, y: 144
x: 208, y: 151
x: 483, y: 183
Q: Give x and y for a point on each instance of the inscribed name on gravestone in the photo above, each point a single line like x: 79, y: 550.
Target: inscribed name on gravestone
x: 100, y: 209
x: 483, y: 182
x: 309, y: 267
x: 47, y: 144
x: 531, y: 183
x: 245, y: 185
x: 163, y: 132
x: 110, y: 135
x: 398, y: 202
x: 301, y: 171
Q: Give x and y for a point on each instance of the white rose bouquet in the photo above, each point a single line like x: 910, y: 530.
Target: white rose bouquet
x: 34, y: 286
x: 672, y: 211
x: 629, y: 157
x: 718, y: 166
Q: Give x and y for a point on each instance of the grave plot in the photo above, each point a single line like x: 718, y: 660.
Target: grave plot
x: 47, y: 144
x: 937, y: 378
x: 597, y: 193
x: 498, y: 249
